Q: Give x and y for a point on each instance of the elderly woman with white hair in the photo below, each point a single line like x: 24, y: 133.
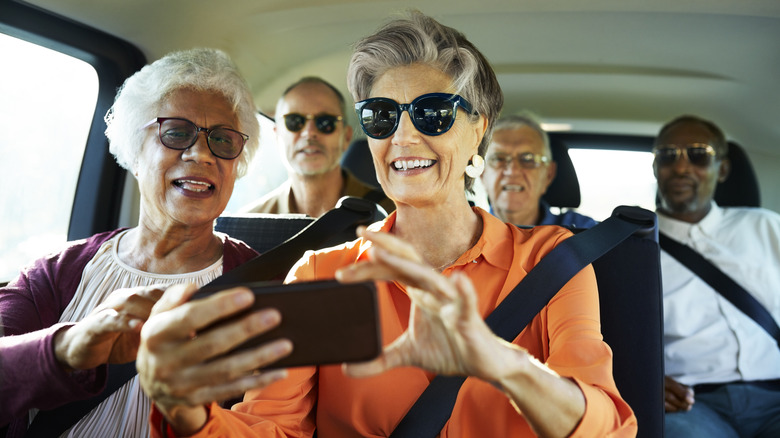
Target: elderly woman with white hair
x: 186, y: 127
x: 426, y: 98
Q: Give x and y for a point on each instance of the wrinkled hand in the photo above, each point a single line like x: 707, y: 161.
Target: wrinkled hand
x: 677, y: 397
x: 446, y: 333
x: 110, y: 333
x: 183, y: 366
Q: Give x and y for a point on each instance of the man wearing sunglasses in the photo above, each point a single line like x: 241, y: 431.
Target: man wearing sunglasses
x: 311, y: 129
x: 722, y: 368
x: 518, y: 172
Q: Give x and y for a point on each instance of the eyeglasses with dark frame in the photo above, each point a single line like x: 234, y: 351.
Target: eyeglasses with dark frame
x: 432, y: 114
x: 180, y: 134
x: 698, y: 154
x: 325, y: 123
x: 526, y: 160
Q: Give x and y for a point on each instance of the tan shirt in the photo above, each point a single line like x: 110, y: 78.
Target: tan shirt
x: 281, y: 199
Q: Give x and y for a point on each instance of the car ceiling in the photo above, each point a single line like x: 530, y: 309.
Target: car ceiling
x: 622, y: 65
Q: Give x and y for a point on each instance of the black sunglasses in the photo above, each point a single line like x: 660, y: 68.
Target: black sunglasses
x: 325, y: 123
x: 431, y: 114
x: 181, y: 134
x: 698, y: 154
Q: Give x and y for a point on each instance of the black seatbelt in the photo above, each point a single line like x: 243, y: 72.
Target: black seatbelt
x: 348, y: 213
x: 433, y: 408
x: 721, y: 283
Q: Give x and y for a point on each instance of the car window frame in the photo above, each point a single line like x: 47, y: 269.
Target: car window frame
x: 98, y: 198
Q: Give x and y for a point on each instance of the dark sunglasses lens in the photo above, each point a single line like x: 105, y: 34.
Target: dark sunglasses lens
x: 294, y: 122
x: 666, y: 156
x: 379, y: 118
x: 433, y: 115
x: 699, y: 156
x: 326, y: 124
x: 226, y: 143
x: 177, y: 134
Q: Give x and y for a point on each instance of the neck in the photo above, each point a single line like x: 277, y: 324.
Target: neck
x: 528, y: 217
x: 439, y: 233
x: 169, y: 250
x: 314, y: 195
x: 692, y: 216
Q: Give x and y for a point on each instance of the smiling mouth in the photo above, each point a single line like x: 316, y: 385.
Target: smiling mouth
x: 412, y: 164
x: 513, y: 188
x: 194, y: 186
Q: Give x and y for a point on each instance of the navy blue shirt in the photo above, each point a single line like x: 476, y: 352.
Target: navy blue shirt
x: 568, y: 218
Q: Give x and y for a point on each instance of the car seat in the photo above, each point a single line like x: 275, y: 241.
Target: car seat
x: 741, y: 187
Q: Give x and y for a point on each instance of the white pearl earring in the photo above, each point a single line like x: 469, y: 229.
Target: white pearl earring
x: 474, y: 170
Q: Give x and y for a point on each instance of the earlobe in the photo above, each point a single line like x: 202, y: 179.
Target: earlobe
x: 552, y: 170
x: 724, y: 170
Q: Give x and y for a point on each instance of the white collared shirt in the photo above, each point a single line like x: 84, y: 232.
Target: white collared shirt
x: 706, y: 338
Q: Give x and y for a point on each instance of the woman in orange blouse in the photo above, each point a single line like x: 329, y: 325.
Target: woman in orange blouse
x: 426, y: 98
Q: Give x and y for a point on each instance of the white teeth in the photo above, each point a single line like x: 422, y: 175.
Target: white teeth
x: 411, y: 164
x: 513, y: 188
x: 195, y: 186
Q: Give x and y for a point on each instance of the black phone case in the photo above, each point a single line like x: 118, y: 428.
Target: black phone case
x: 327, y: 321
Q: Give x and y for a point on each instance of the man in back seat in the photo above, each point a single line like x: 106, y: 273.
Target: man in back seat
x: 723, y: 369
x: 519, y: 170
x: 312, y: 131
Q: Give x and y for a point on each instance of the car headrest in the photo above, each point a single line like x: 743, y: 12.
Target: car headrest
x: 741, y: 187
x: 564, y: 191
x: 357, y: 160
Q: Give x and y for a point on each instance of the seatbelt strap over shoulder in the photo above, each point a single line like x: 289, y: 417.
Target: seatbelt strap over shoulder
x: 721, y: 283
x: 433, y: 408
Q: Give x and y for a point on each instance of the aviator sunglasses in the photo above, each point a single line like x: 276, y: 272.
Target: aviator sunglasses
x: 325, y: 123
x: 431, y: 114
x: 698, y: 154
x: 181, y: 134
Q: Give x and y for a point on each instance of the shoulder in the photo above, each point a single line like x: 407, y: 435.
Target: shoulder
x: 505, y: 244
x: 235, y: 252
x: 322, y: 264
x: 77, y: 252
x: 748, y: 219
x: 275, y: 201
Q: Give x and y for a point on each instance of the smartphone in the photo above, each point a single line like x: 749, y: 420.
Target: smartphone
x: 327, y: 321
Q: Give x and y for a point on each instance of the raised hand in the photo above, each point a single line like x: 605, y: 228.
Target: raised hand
x: 446, y: 333
x: 110, y: 333
x: 182, y: 360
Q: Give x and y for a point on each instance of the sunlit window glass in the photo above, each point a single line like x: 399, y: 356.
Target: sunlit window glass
x: 47, y: 102
x: 609, y: 178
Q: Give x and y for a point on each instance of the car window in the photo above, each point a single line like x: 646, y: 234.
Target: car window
x: 265, y: 173
x: 46, y: 110
x: 626, y: 176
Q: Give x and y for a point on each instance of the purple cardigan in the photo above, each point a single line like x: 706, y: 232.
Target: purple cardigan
x: 30, y: 306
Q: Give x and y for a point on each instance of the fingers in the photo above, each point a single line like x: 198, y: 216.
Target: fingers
x: 130, y: 307
x: 677, y: 397
x: 184, y: 360
x: 391, y: 357
x: 184, y: 318
x: 225, y: 337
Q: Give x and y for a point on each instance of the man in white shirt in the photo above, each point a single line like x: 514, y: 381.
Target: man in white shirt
x: 722, y: 368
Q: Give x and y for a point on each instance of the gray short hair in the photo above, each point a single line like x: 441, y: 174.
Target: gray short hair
x: 143, y: 93
x: 520, y: 120
x: 419, y: 39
